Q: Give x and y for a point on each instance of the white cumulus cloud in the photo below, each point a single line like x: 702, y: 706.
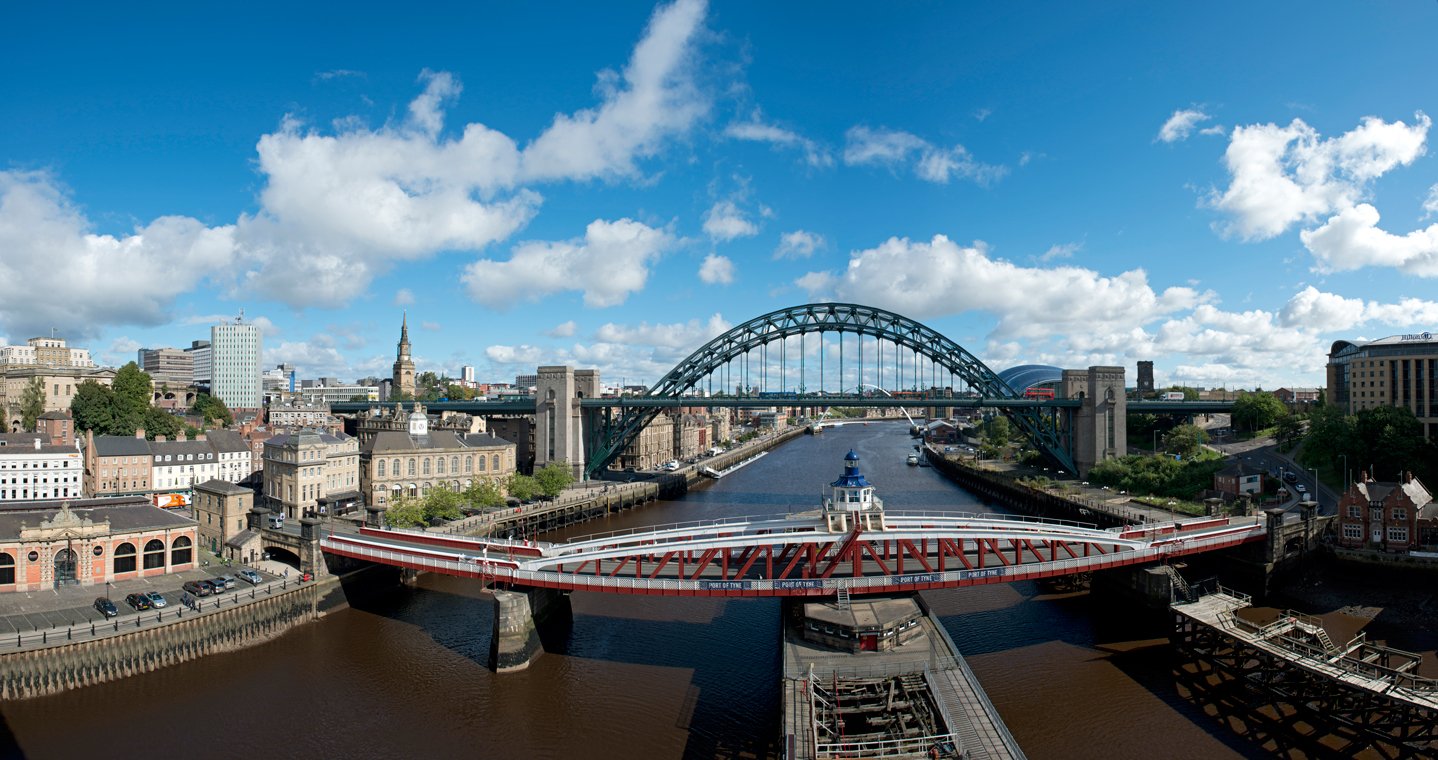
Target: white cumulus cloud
x: 565, y: 330
x: 798, y: 245
x: 725, y: 221
x: 1180, y: 125
x: 893, y: 148
x: 610, y: 262
x: 716, y: 269
x: 683, y: 335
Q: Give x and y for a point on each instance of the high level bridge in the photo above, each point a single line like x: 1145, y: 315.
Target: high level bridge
x: 752, y: 366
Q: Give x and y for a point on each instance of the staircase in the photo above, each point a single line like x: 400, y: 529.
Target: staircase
x: 1181, y: 590
x: 843, y: 596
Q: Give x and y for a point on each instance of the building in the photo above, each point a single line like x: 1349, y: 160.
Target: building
x: 1297, y: 395
x: 34, y: 467
x: 46, y: 352
x: 526, y: 383
x: 653, y: 447
x: 236, y: 349
x: 394, y: 418
x: 403, y: 382
x: 60, y: 384
x: 90, y: 542
x: 1145, y: 379
x: 301, y: 468
x: 117, y: 465
x: 255, y: 438
x: 199, y: 352
x: 718, y: 429
x: 1387, y: 517
x: 221, y: 509
x: 520, y: 432
x: 58, y: 427
x: 1400, y: 370
x: 689, y: 436
x: 416, y: 460
x: 1238, y: 479
x: 299, y: 415
x: 177, y: 466
x: 466, y: 373
x: 232, y: 454
x: 330, y: 393
x: 168, y: 365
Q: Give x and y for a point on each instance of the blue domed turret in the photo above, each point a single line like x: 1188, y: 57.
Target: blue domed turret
x: 851, y: 477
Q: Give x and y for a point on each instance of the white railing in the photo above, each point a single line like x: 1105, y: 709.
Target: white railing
x: 910, y: 746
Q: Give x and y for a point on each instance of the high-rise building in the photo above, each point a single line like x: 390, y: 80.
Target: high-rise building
x: 403, y: 365
x: 1400, y: 370
x: 236, y: 349
x: 526, y: 383
x: 466, y: 373
x: 200, y: 352
x: 168, y: 365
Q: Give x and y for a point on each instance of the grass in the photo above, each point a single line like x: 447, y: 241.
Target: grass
x: 1183, y: 507
x: 1264, y: 433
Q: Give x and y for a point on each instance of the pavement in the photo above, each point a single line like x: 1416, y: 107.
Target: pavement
x: 25, y: 611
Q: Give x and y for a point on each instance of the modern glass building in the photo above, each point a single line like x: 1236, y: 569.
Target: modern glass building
x: 1401, y: 370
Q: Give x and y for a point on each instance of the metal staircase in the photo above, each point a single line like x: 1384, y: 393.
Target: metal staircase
x: 843, y: 600
x: 1181, y: 591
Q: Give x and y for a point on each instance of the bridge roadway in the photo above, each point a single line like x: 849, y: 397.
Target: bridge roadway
x: 526, y: 404
x: 795, y: 555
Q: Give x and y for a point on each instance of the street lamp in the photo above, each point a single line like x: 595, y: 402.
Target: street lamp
x: 1314, y: 470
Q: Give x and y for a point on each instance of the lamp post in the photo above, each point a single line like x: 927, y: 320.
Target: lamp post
x: 1345, y: 471
x: 1314, y: 470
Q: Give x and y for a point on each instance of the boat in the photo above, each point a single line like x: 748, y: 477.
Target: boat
x: 913, y: 460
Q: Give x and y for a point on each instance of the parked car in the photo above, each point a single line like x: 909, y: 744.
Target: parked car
x: 106, y: 607
x: 156, y: 599
x: 250, y: 575
x: 138, y: 601
x: 227, y: 580
x: 215, y: 586
x: 198, y: 588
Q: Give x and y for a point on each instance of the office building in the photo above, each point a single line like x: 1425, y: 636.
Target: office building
x: 1400, y: 370
x: 236, y: 349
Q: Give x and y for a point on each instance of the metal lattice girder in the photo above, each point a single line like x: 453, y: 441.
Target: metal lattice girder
x: 826, y: 318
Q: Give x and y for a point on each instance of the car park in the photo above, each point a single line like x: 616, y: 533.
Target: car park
x: 157, y: 600
x: 227, y: 580
x: 139, y: 601
x: 250, y: 575
x: 198, y: 588
x: 106, y: 607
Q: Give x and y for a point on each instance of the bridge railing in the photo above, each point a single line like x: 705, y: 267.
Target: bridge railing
x: 722, y: 522
x: 991, y: 516
x: 992, y: 574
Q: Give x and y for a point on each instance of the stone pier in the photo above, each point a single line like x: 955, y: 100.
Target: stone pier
x: 518, y: 615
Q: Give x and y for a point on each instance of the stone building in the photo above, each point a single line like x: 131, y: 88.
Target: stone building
x: 689, y: 435
x: 418, y: 459
x: 47, y: 352
x: 1388, y: 517
x: 403, y: 364
x: 255, y: 438
x: 520, y: 432
x: 653, y: 447
x: 395, y: 419
x: 89, y: 542
x: 60, y: 384
x: 301, y: 468
x: 221, y: 509
x: 719, y: 429
x: 298, y: 414
x: 33, y: 468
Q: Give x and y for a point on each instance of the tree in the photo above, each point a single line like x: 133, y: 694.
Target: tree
x: 359, y: 397
x: 160, y: 422
x: 32, y: 403
x: 996, y: 431
x: 553, y: 479
x: 484, y: 494
x: 133, y: 391
x: 522, y: 487
x: 210, y: 408
x: 1289, y: 427
x: 1256, y: 411
x: 93, y: 407
x: 404, y: 512
x: 440, y: 502
x: 1184, y: 440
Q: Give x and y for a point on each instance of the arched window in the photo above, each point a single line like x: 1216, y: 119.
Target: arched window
x: 482, y: 460
x: 496, y: 463
x: 426, y: 465
x: 154, y: 554
x: 180, y: 551
x: 395, y: 465
x: 439, y: 466
x: 454, y: 465
x: 7, y: 569
x: 380, y: 473
x: 125, y: 558
x: 426, y: 488
x: 413, y: 490
x: 468, y: 465
x: 411, y: 466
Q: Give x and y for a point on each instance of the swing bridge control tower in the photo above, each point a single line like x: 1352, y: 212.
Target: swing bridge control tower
x: 851, y: 503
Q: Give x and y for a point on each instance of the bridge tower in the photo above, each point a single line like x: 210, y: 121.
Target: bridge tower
x: 851, y: 501
x: 560, y: 427
x: 1099, y: 427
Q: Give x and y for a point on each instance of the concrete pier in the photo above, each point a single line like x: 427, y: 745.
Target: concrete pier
x: 518, y: 615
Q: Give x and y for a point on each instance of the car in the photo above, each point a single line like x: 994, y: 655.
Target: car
x: 198, y: 588
x: 1299, y: 488
x: 216, y: 586
x: 1290, y: 477
x: 228, y: 580
x: 139, y: 601
x: 106, y: 607
x: 157, y: 600
x: 250, y: 575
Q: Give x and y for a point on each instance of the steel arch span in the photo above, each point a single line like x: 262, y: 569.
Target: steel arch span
x: 610, y: 440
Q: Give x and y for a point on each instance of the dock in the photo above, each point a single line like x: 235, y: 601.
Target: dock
x: 924, y: 682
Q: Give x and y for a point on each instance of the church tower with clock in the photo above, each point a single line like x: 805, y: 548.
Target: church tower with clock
x: 403, y: 365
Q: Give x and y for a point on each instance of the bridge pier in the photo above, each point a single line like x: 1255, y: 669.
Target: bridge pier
x: 518, y: 616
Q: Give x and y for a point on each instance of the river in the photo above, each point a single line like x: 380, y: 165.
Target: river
x: 404, y: 674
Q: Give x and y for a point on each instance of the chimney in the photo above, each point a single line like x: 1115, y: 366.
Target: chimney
x: 37, y: 443
x: 200, y: 437
x: 140, y: 433
x: 1408, y: 476
x: 159, y: 439
x: 1363, y: 476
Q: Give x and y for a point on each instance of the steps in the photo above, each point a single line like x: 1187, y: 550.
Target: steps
x: 843, y: 597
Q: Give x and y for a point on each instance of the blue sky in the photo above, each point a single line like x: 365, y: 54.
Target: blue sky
x: 1224, y: 190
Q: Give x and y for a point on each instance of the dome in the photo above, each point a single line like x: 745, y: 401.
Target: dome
x: 1026, y: 376
x: 852, y: 457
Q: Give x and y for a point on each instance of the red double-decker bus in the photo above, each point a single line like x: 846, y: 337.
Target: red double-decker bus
x: 1041, y: 393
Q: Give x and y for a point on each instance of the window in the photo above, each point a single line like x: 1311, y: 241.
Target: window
x: 380, y: 471
x: 1400, y: 514
x: 7, y: 569
x: 426, y: 465
x: 125, y: 558
x: 1353, y: 532
x: 1355, y: 511
x: 468, y: 465
x: 180, y: 551
x: 411, y: 466
x: 1398, y: 535
x: 1375, y: 514
x: 454, y: 465
x: 496, y: 461
x: 396, y: 468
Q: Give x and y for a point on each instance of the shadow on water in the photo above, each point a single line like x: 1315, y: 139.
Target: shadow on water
x: 9, y: 747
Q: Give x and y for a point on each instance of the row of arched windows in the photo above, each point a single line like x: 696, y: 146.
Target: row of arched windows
x: 181, y: 552
x: 437, y: 463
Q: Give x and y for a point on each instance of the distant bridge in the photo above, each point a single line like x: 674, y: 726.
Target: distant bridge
x: 795, y: 555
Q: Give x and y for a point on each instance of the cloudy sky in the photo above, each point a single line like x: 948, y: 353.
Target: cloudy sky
x: 610, y: 185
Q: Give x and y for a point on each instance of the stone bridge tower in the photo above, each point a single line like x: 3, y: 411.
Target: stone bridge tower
x: 1100, y: 426
x: 561, y: 430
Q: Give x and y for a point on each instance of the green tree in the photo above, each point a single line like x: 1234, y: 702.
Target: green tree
x: 160, y: 422
x: 522, y: 487
x: 133, y: 392
x: 996, y: 431
x: 1256, y: 411
x: 212, y: 409
x: 405, y: 512
x: 553, y: 479
x: 440, y: 502
x: 32, y: 403
x: 1289, y: 427
x: 93, y: 408
x: 361, y: 397
x: 484, y: 494
x: 1184, y: 440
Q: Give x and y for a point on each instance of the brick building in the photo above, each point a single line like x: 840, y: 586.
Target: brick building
x: 1388, y: 517
x: 89, y: 542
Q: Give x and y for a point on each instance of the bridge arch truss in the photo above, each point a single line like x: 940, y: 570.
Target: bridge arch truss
x: 612, y: 436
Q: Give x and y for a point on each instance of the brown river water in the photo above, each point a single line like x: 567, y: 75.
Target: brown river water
x: 404, y: 674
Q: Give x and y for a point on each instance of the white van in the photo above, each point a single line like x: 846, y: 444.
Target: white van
x: 277, y: 521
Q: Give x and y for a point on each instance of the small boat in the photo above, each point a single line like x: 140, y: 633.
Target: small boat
x: 913, y: 460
